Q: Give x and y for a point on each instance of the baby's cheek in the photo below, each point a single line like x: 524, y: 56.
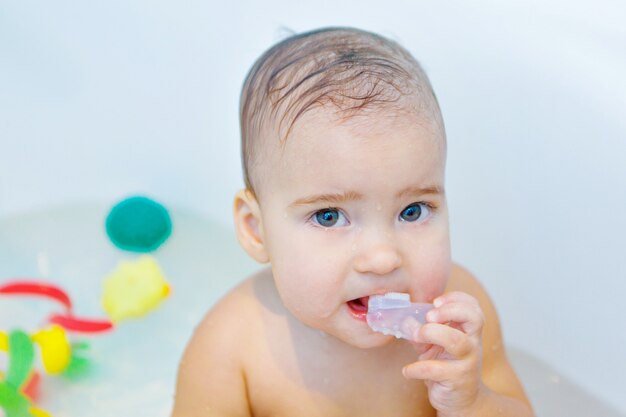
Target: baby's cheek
x: 433, y: 274
x: 305, y: 286
x: 307, y: 303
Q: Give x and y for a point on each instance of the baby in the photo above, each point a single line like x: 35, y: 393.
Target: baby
x: 344, y: 152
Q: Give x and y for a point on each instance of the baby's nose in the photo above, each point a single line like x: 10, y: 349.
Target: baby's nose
x: 380, y: 256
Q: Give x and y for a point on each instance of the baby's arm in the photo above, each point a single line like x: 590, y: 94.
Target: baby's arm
x: 211, y: 381
x: 467, y: 375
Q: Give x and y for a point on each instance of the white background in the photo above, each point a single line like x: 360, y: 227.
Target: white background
x: 100, y: 100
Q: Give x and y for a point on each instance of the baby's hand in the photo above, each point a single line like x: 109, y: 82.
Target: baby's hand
x: 451, y: 367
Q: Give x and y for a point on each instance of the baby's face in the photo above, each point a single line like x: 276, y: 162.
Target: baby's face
x: 385, y: 229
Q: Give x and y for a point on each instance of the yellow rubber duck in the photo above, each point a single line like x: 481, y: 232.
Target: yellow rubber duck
x: 134, y: 289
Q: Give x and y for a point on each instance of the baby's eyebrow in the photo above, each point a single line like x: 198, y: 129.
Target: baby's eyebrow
x: 338, y: 198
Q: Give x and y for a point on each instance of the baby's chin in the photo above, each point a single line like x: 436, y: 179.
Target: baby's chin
x: 378, y: 340
x: 361, y: 337
x: 370, y: 340
x: 349, y: 337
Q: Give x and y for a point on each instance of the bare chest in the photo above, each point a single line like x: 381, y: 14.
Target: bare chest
x: 287, y: 382
x: 281, y: 398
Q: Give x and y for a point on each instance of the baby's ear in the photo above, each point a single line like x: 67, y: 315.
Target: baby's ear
x: 248, y: 225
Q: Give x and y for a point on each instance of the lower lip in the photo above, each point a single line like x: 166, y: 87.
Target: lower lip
x: 357, y: 311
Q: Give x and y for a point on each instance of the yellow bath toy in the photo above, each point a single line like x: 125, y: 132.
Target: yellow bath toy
x: 4, y: 341
x: 133, y: 289
x: 55, y: 349
x: 38, y: 412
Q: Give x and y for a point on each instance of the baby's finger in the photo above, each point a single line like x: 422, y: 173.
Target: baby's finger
x: 432, y: 370
x: 455, y: 296
x: 453, y: 341
x: 469, y: 316
x: 433, y: 352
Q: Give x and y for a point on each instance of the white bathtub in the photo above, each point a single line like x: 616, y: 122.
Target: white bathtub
x: 135, y: 365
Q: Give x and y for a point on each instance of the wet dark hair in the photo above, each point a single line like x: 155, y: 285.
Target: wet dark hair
x: 350, y: 70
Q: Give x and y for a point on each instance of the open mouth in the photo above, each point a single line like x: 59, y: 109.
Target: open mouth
x: 358, y: 307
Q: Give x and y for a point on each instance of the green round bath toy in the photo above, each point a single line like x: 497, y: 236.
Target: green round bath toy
x: 138, y: 224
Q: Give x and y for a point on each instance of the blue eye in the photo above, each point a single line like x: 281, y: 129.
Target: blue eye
x: 327, y: 217
x: 414, y: 212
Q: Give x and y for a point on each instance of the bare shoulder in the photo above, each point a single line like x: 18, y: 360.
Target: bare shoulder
x: 211, y: 378
x: 461, y: 279
x: 498, y: 374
